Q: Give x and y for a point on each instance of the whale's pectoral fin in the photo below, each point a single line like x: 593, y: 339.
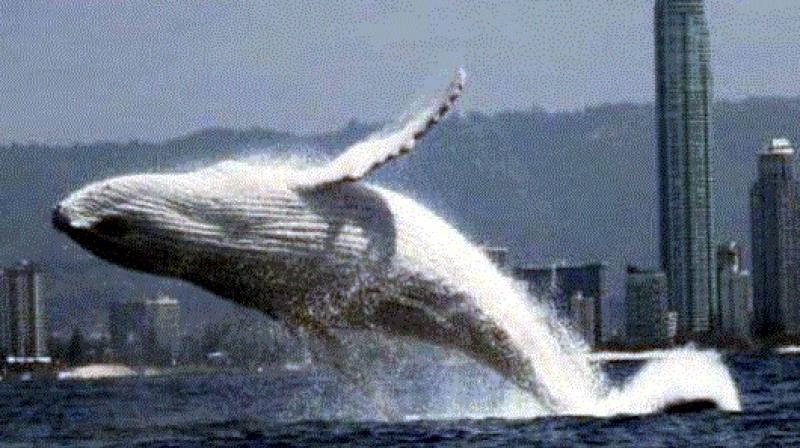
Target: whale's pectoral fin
x: 365, y: 156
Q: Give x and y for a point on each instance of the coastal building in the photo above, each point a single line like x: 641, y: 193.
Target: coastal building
x: 735, y: 298
x: 5, y: 324
x: 583, y: 317
x: 165, y: 315
x: 541, y: 281
x: 498, y: 255
x: 683, y: 113
x: 672, y: 327
x: 560, y: 283
x: 146, y: 329
x: 646, y: 308
x: 23, y: 334
x: 775, y: 233
x: 128, y: 325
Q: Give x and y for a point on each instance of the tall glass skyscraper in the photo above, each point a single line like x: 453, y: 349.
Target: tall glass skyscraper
x: 775, y: 225
x: 683, y: 102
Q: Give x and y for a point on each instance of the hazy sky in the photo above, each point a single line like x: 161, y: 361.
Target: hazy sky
x: 87, y: 71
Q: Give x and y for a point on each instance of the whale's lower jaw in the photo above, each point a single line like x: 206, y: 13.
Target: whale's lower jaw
x: 119, y: 255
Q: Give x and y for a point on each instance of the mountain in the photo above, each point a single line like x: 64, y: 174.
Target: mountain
x: 578, y: 186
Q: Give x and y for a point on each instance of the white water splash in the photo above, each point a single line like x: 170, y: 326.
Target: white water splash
x: 682, y: 375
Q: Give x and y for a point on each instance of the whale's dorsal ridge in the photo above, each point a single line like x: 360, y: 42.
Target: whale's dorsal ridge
x: 368, y: 155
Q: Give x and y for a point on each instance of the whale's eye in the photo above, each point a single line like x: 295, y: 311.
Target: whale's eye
x: 113, y: 226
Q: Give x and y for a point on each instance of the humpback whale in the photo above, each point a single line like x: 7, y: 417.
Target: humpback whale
x: 320, y: 250
x: 313, y: 248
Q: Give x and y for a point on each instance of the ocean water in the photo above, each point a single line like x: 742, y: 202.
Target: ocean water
x: 439, y: 406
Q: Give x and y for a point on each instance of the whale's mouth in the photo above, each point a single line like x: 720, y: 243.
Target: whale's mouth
x: 81, y: 234
x: 690, y: 406
x: 99, y: 237
x: 60, y: 220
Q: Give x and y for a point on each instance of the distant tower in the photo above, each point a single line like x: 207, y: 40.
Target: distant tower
x: 129, y: 325
x: 146, y: 330
x: 735, y: 296
x: 683, y: 103
x: 646, y: 313
x: 583, y: 317
x: 498, y: 255
x: 775, y: 226
x: 165, y: 315
x: 22, y: 313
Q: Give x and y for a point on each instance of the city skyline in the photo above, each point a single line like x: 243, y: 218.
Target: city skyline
x: 712, y: 296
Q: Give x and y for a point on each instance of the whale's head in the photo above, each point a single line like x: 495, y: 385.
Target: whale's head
x: 232, y: 228
x: 133, y: 221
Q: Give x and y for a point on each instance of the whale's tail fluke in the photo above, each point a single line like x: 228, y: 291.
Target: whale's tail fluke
x: 365, y: 156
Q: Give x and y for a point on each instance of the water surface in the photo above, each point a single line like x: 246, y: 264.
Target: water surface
x: 306, y: 408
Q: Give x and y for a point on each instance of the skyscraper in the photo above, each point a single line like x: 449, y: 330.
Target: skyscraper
x: 129, y: 325
x: 498, y: 255
x: 775, y: 226
x: 146, y: 330
x: 583, y: 317
x: 646, y: 314
x: 735, y: 298
x: 165, y: 312
x: 22, y: 314
x: 5, y: 321
x: 683, y: 102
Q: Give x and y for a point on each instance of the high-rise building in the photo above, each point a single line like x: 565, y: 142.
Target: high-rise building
x: 735, y: 298
x: 145, y: 330
x: 541, y: 282
x: 775, y: 228
x: 683, y: 112
x: 22, y: 319
x: 5, y: 322
x: 561, y: 283
x: 646, y: 308
x: 583, y: 317
x: 165, y: 314
x: 498, y: 255
x: 128, y: 324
